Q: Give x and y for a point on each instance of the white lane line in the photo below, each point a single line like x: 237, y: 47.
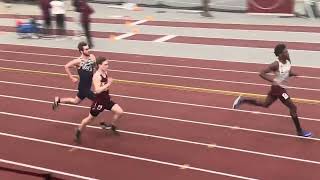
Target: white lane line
x: 172, y: 139
x: 213, y: 80
x: 164, y: 38
x: 138, y: 22
x: 46, y: 169
x: 158, y: 64
x: 199, y: 60
x: 171, y: 76
x: 32, y: 62
x: 159, y: 100
x: 176, y: 119
x: 40, y: 54
x: 116, y: 16
x: 123, y: 155
x: 123, y: 36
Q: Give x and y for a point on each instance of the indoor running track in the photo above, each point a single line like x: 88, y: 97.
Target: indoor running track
x: 178, y: 122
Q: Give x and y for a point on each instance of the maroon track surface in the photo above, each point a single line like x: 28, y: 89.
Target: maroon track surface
x: 197, y: 40
x: 215, y: 111
x: 191, y: 24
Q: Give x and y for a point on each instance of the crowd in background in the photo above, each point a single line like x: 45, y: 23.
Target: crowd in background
x: 56, y: 9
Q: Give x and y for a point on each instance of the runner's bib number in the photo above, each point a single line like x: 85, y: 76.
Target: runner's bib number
x: 285, y: 96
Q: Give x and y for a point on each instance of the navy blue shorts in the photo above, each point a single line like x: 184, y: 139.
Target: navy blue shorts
x: 86, y: 94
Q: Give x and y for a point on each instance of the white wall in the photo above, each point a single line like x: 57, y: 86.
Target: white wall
x: 219, y: 4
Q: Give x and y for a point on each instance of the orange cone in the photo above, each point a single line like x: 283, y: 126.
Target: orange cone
x: 137, y: 8
x: 149, y: 18
x: 112, y: 37
x: 18, y: 22
x: 135, y: 30
x: 128, y: 23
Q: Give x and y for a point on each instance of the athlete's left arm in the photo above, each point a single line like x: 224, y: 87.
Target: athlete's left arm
x: 93, y: 57
x: 292, y: 74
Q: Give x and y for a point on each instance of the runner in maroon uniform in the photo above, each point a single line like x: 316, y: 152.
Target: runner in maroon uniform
x: 101, y: 85
x: 282, y: 69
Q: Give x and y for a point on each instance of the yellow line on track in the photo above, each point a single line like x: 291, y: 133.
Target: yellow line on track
x: 169, y: 86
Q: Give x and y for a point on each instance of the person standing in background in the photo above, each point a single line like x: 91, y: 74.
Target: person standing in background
x: 86, y: 11
x: 58, y: 9
x: 206, y: 7
x: 77, y: 18
x: 46, y: 16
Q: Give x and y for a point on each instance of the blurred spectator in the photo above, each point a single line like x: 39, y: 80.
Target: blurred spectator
x: 86, y: 11
x: 46, y: 16
x: 58, y: 9
x: 76, y: 5
x: 77, y: 17
x: 205, y: 5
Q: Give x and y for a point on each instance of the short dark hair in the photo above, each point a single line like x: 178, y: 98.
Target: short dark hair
x: 80, y: 45
x: 279, y: 49
x: 100, y: 60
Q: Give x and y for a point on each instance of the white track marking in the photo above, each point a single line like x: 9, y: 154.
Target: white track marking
x: 171, y: 76
x: 164, y: 38
x: 122, y: 155
x: 172, y: 139
x: 123, y: 36
x: 158, y: 64
x: 46, y: 169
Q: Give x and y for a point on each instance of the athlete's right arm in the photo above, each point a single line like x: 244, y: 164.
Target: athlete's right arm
x: 69, y: 65
x: 271, y: 68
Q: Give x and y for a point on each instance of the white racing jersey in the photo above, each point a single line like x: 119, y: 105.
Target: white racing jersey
x: 283, y: 73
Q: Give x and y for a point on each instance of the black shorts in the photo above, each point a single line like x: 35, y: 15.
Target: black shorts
x: 86, y: 94
x: 98, y: 107
x: 279, y: 92
x: 60, y: 21
x: 47, y: 22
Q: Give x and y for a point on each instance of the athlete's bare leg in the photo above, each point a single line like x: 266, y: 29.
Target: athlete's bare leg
x: 58, y: 100
x: 87, y: 120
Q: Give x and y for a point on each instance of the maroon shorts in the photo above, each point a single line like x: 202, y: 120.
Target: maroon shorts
x: 97, y: 107
x: 277, y: 91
